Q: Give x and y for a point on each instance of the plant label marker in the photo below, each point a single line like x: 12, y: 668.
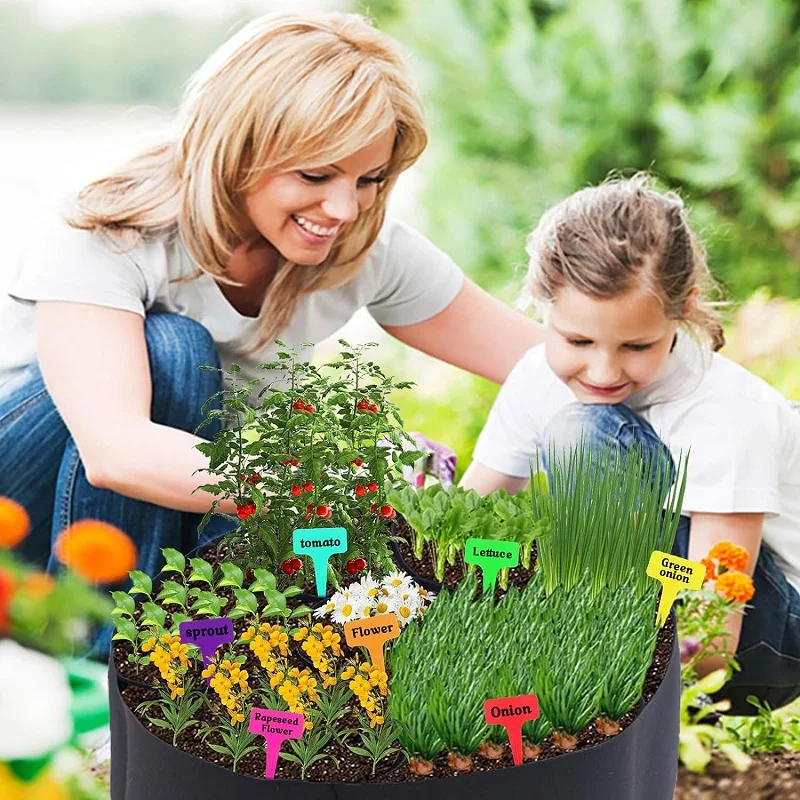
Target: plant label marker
x: 208, y: 635
x: 319, y: 544
x: 371, y: 633
x: 674, y: 573
x: 512, y: 713
x: 491, y: 556
x: 275, y: 726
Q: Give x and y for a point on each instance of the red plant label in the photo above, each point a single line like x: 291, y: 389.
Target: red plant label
x: 275, y: 726
x: 371, y: 633
x: 512, y: 713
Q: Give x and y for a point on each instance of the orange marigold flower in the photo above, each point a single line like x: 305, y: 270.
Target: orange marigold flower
x: 711, y: 569
x: 729, y: 555
x: 14, y: 522
x: 97, y: 551
x: 7, y: 585
x: 735, y: 586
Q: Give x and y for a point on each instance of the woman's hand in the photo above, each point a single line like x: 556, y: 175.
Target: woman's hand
x: 485, y: 480
x: 476, y: 332
x: 741, y: 529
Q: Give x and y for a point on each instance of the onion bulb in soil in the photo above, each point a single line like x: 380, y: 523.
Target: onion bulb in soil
x: 606, y: 726
x: 530, y: 751
x: 458, y: 762
x: 564, y: 741
x: 491, y: 750
x: 420, y: 767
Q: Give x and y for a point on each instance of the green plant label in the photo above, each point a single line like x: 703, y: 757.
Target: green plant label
x: 275, y: 726
x: 512, y: 713
x: 674, y: 573
x: 491, y: 556
x: 319, y: 544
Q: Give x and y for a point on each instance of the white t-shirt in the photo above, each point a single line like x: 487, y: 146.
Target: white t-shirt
x: 405, y: 279
x: 744, y: 436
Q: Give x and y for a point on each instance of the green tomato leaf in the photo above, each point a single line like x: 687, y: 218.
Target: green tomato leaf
x: 231, y: 575
x: 202, y: 571
x: 142, y: 584
x: 263, y: 580
x: 125, y: 604
x: 126, y: 630
x: 176, y: 561
x: 246, y: 601
x: 153, y: 614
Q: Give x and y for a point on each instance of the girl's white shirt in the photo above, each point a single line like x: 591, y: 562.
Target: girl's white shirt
x: 405, y: 279
x: 742, y: 437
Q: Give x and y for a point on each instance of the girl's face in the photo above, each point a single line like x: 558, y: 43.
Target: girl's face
x: 300, y: 213
x: 605, y: 350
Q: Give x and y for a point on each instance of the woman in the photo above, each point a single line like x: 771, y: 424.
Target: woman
x: 263, y: 216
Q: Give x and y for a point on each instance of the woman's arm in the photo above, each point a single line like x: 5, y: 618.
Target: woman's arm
x: 485, y: 480
x: 476, y: 332
x: 95, y: 365
x: 740, y: 529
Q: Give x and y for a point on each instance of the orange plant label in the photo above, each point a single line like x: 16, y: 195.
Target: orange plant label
x: 371, y: 633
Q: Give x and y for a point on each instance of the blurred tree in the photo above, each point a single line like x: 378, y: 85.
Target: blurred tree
x: 529, y: 101
x: 140, y: 59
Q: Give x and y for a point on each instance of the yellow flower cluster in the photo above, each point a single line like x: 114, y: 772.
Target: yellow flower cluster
x: 321, y: 644
x: 267, y: 642
x: 229, y: 681
x: 370, y: 685
x: 297, y: 688
x: 172, y: 659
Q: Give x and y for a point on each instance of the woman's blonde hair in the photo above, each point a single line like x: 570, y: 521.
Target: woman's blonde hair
x: 289, y: 90
x: 606, y: 240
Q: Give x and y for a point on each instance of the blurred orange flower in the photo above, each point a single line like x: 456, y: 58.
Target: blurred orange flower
x: 38, y: 584
x: 14, y: 522
x: 735, y: 586
x: 97, y: 551
x: 711, y: 569
x: 729, y: 555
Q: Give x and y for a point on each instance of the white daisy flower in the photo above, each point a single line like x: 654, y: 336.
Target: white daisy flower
x: 344, y: 611
x: 396, y: 580
x: 370, y: 586
x: 326, y: 609
x: 381, y: 605
x: 406, y: 608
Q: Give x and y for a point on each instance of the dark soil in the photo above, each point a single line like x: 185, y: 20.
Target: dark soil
x: 352, y: 768
x: 453, y: 573
x: 771, y: 776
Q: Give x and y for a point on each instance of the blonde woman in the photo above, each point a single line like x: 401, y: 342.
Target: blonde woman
x: 264, y: 216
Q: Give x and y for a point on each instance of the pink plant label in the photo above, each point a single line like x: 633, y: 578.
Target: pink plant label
x: 512, y: 713
x: 275, y: 726
x: 208, y: 635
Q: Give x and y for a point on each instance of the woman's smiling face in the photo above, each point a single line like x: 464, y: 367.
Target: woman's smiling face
x: 300, y: 213
x: 607, y: 349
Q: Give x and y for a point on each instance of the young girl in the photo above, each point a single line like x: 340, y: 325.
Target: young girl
x: 263, y: 217
x: 630, y: 356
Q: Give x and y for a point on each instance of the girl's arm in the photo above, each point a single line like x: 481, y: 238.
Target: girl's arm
x: 740, y: 529
x: 476, y: 332
x: 95, y: 365
x: 485, y: 480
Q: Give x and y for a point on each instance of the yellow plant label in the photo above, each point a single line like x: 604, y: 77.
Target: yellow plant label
x: 674, y: 573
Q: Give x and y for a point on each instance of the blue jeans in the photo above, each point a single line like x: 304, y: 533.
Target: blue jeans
x: 40, y: 466
x: 769, y: 646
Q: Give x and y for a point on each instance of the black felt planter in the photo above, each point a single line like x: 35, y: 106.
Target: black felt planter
x: 641, y: 763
